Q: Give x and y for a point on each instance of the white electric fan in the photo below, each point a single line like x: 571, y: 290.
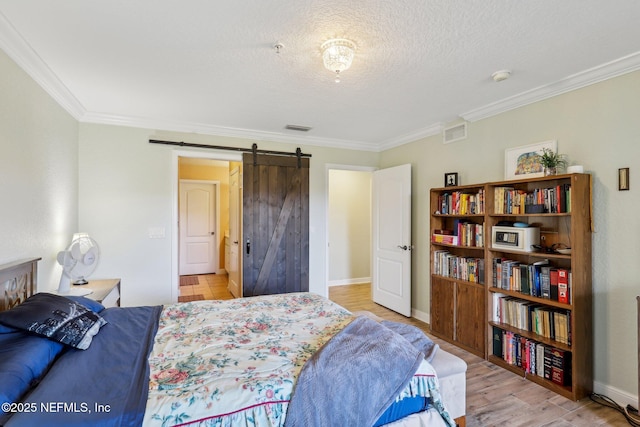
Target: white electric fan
x: 78, y: 261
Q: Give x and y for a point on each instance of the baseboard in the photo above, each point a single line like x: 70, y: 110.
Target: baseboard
x: 622, y: 398
x: 355, y: 281
x: 420, y: 315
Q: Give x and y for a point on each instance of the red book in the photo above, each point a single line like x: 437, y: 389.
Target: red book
x: 563, y: 286
x: 553, y: 279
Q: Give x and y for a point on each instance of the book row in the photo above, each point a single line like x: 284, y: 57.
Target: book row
x: 533, y: 357
x: 456, y: 267
x: 539, y: 279
x: 508, y: 200
x: 547, y: 322
x: 459, y: 203
x: 464, y: 233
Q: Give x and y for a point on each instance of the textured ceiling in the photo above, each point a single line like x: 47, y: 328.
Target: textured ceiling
x: 210, y: 67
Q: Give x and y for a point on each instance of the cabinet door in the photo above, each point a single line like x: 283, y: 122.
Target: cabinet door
x: 470, y: 316
x: 442, y: 292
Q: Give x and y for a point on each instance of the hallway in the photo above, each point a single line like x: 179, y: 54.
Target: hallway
x: 203, y: 287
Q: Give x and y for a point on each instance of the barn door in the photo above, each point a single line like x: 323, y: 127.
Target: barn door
x: 275, y: 223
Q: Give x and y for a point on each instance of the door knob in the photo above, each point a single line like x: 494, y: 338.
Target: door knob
x: 403, y: 247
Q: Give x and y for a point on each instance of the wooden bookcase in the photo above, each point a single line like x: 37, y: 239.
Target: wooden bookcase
x: 458, y: 302
x: 458, y: 307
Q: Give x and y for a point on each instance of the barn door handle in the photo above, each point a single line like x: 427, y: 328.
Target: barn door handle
x: 248, y: 246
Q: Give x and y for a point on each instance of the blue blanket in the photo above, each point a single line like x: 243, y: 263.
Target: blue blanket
x: 354, y: 377
x: 69, y: 394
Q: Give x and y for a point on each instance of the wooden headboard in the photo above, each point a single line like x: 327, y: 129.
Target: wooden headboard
x: 18, y: 281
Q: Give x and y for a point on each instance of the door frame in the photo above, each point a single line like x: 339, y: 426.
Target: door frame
x: 175, y: 214
x: 216, y: 195
x: 328, y: 167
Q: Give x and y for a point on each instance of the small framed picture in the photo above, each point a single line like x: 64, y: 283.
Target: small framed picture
x: 451, y: 179
x: 623, y: 179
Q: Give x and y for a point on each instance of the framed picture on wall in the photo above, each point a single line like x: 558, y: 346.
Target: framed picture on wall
x: 524, y: 161
x: 450, y: 179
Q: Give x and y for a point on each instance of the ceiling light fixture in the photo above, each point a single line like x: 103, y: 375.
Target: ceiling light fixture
x: 337, y: 55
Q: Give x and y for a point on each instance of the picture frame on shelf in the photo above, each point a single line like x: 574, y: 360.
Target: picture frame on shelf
x: 451, y: 179
x: 623, y: 179
x: 523, y: 161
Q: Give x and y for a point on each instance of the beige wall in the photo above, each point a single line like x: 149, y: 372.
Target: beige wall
x: 127, y: 187
x: 349, y: 220
x: 38, y: 173
x: 597, y: 127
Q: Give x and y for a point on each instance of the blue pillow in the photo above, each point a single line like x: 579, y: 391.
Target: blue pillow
x: 55, y: 317
x: 24, y: 359
x: 6, y: 329
x: 92, y: 305
x: 403, y: 408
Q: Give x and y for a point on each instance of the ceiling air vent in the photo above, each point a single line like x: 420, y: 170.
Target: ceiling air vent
x: 298, y: 128
x: 454, y: 133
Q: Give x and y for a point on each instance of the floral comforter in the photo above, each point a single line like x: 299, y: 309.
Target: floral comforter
x: 235, y: 362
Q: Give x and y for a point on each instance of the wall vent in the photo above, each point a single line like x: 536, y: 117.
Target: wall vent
x: 298, y: 128
x: 454, y: 133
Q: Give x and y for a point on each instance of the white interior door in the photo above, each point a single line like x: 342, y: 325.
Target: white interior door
x: 235, y: 283
x: 391, y: 204
x: 198, y: 252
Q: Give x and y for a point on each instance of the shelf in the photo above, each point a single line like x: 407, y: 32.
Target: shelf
x: 453, y: 279
x: 542, y: 214
x: 565, y: 391
x: 531, y: 254
x: 458, y: 215
x: 447, y: 245
x: 532, y: 336
x: 531, y: 298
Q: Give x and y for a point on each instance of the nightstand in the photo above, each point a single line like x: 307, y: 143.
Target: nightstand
x: 105, y: 291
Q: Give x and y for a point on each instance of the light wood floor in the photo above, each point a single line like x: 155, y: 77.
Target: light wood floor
x: 495, y: 397
x: 209, y: 286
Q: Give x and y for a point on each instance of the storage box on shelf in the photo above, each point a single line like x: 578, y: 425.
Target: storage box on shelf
x: 458, y: 274
x: 539, y: 303
x: 527, y: 310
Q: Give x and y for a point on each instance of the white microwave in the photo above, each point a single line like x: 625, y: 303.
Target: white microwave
x: 515, y: 238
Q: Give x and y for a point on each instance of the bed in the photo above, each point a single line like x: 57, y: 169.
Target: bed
x: 293, y: 360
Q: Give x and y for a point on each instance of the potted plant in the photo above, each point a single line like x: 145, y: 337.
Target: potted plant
x: 551, y: 161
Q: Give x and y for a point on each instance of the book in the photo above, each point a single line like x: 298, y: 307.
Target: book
x: 553, y: 281
x: 560, y: 367
x: 545, y: 282
x: 497, y: 342
x: 548, y: 361
x: 563, y: 286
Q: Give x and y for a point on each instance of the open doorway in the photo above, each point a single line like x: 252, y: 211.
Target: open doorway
x: 348, y: 225
x: 206, y: 167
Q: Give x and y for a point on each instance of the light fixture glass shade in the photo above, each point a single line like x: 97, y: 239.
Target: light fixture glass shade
x: 337, y: 55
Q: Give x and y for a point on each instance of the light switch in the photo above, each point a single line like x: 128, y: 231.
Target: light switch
x: 156, y: 232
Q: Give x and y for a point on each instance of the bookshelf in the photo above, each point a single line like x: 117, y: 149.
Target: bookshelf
x: 458, y: 302
x: 515, y: 311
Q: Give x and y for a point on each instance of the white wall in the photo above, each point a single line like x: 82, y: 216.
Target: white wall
x: 597, y: 127
x: 349, y: 221
x: 38, y: 173
x: 126, y: 187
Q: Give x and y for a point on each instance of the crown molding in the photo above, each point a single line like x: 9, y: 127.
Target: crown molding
x: 23, y: 54
x: 618, y: 67
x: 205, y: 129
x: 434, y: 129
